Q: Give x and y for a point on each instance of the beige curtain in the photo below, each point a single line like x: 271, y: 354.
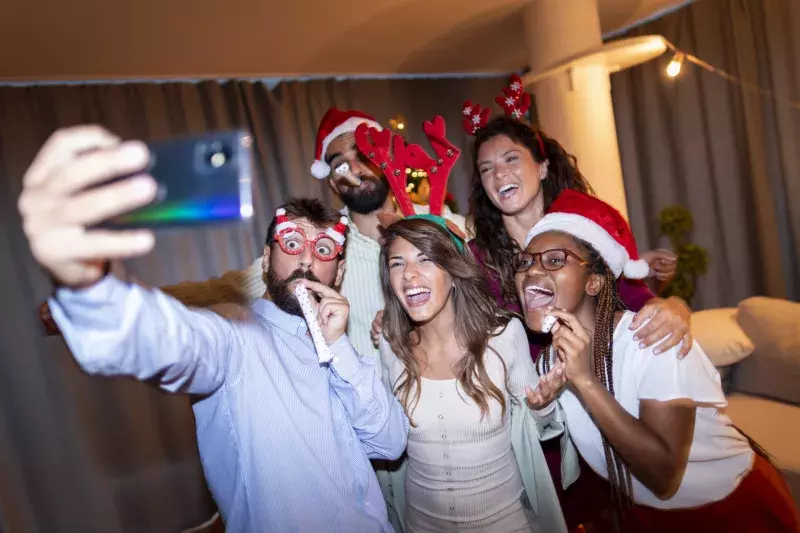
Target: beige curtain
x: 731, y: 156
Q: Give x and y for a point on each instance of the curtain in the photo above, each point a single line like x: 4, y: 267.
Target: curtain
x: 81, y: 453
x: 727, y: 154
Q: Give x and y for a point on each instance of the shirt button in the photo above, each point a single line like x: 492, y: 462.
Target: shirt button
x: 441, y: 394
x: 447, y: 456
x: 449, y: 473
x: 452, y: 507
x: 450, y: 489
x: 444, y: 436
x: 441, y: 417
x: 369, y: 504
x: 335, y: 359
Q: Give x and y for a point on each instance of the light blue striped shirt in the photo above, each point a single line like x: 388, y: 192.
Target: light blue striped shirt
x: 285, y: 441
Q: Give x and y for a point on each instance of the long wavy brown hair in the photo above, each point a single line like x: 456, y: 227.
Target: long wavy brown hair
x: 498, y: 249
x: 479, y: 318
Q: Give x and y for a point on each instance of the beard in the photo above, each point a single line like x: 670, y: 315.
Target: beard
x: 280, y: 294
x: 367, y: 197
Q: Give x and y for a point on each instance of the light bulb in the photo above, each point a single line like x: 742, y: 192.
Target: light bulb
x: 674, y: 67
x: 401, y: 126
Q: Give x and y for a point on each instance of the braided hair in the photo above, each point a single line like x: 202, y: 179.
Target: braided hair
x: 608, y: 303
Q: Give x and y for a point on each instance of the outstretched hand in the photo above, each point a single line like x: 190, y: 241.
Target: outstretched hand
x: 548, y: 389
x: 63, y: 195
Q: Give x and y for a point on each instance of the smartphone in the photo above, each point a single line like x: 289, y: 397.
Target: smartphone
x: 202, y: 180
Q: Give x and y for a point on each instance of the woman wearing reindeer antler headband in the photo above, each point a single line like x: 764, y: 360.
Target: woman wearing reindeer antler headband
x: 459, y: 366
x: 518, y: 171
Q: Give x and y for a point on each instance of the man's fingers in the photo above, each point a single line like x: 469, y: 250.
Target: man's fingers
x: 62, y: 146
x: 321, y: 289
x: 100, y: 166
x: 75, y: 244
x: 103, y: 203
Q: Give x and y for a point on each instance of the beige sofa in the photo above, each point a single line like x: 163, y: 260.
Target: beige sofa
x: 756, y: 347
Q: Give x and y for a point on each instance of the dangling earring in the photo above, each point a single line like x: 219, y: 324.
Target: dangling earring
x: 543, y: 168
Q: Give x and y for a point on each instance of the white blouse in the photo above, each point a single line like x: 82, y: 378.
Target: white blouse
x: 462, y: 472
x: 720, y: 456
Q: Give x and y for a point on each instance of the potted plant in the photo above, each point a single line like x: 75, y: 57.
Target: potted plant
x: 676, y: 223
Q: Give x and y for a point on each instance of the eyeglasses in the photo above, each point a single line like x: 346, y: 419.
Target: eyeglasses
x: 551, y: 260
x: 294, y: 241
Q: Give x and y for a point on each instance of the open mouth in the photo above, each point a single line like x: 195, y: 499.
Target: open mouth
x: 507, y: 190
x: 416, y: 296
x: 537, y: 297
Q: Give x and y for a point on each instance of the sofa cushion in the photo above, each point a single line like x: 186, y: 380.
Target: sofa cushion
x: 774, y: 368
x: 720, y: 336
x: 775, y: 426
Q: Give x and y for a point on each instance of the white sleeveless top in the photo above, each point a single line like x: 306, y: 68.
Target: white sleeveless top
x: 462, y: 472
x: 720, y: 456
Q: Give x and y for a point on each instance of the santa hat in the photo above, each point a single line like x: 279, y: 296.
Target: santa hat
x: 597, y: 223
x: 335, y: 123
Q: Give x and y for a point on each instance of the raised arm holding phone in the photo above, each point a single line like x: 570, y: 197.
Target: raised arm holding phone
x: 285, y: 440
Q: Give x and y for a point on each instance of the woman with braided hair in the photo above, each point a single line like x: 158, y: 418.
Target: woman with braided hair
x: 654, y: 427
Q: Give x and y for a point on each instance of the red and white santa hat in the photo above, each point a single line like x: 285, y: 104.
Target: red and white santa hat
x: 597, y: 223
x: 335, y: 123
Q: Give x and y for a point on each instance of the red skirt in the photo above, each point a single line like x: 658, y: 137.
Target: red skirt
x: 761, y: 503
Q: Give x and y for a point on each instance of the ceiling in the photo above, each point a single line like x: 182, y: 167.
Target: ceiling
x: 61, y: 40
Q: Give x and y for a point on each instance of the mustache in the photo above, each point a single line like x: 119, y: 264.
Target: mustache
x: 301, y: 274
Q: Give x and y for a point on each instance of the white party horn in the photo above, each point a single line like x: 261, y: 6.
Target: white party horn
x: 548, y: 322
x: 344, y: 171
x: 323, y: 351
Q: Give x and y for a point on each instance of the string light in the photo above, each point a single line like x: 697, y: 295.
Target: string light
x: 682, y: 56
x: 397, y: 123
x: 674, y: 67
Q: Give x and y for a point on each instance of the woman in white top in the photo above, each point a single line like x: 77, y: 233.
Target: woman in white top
x: 457, y: 364
x: 653, y: 426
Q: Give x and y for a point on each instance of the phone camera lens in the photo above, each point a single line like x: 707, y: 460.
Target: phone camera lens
x: 217, y: 155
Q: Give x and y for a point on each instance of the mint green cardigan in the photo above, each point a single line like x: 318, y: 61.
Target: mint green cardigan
x: 527, y: 432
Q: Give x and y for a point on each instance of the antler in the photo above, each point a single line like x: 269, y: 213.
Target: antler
x: 474, y: 117
x: 514, y: 101
x: 439, y: 168
x: 387, y: 152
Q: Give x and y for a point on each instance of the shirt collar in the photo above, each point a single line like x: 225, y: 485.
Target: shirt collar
x: 295, y: 325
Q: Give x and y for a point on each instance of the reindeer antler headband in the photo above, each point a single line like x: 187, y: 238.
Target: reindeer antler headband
x: 392, y: 155
x: 515, y: 103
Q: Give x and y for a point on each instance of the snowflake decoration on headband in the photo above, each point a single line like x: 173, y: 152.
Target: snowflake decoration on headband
x: 514, y: 101
x: 474, y: 117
